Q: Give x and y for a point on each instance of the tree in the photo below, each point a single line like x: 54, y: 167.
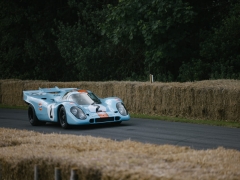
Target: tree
x: 11, y: 43
x: 27, y: 45
x: 222, y: 46
x: 154, y: 31
x: 217, y: 38
x: 81, y: 43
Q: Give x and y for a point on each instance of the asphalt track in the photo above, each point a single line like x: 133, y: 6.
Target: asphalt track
x: 141, y: 130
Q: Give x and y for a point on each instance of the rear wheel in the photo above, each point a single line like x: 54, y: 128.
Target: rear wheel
x: 32, y: 117
x: 62, y: 117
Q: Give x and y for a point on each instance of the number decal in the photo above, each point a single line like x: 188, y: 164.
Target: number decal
x: 97, y: 108
x: 50, y: 111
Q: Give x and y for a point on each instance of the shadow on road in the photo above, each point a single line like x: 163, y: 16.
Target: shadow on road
x: 87, y: 127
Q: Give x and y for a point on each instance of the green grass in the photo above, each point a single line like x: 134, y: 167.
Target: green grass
x: 163, y: 118
x: 13, y: 107
x: 185, y: 120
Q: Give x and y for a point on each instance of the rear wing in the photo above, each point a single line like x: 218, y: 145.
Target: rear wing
x: 46, y: 93
x: 56, y: 90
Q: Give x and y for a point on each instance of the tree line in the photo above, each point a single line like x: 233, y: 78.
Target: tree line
x: 101, y: 40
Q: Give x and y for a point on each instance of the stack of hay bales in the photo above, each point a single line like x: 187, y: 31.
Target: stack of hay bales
x: 99, y: 158
x: 2, y: 84
x: 213, y: 99
x: 11, y: 92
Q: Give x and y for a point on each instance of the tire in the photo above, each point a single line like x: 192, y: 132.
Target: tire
x: 62, y: 118
x: 32, y: 116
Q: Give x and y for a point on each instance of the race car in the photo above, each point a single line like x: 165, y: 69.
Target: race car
x: 72, y: 106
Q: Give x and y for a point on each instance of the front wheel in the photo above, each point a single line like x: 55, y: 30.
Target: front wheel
x: 62, y: 117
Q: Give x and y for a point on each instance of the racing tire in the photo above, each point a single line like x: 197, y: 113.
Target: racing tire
x: 62, y: 117
x: 32, y: 117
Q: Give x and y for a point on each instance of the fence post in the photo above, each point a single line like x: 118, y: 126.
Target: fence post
x: 151, y: 78
x: 35, y: 172
x: 74, y: 175
x: 58, y: 173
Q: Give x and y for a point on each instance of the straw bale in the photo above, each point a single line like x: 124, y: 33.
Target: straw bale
x: 126, y: 92
x: 199, y: 100
x: 12, y: 92
x: 212, y: 99
x: 105, y: 89
x: 129, y: 95
x: 99, y: 158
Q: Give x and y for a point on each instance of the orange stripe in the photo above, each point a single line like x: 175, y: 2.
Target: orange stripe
x: 82, y: 91
x: 102, y: 114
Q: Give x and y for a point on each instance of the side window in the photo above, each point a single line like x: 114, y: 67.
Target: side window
x: 70, y: 98
x: 65, y: 97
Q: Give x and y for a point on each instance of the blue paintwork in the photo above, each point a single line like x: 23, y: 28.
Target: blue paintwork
x: 47, y: 102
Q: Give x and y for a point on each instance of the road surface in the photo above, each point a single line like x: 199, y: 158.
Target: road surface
x: 142, y: 130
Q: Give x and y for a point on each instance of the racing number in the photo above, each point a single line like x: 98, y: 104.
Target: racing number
x: 50, y: 112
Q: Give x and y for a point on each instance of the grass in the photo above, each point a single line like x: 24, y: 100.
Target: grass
x: 185, y: 120
x: 223, y: 123
x: 13, y: 107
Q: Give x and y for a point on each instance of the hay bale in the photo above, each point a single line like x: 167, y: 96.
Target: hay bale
x: 99, y: 158
x: 12, y: 92
x: 198, y: 100
x: 214, y: 99
x: 127, y: 91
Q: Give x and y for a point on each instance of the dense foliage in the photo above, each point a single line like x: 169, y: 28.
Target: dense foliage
x: 175, y: 40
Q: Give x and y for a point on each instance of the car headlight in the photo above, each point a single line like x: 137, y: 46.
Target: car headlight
x: 121, y: 108
x: 78, y: 113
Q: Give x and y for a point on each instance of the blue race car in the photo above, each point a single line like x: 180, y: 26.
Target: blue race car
x: 72, y: 106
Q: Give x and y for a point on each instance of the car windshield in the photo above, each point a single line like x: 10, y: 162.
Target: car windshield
x: 84, y: 98
x: 94, y: 98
